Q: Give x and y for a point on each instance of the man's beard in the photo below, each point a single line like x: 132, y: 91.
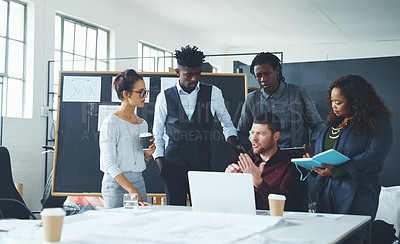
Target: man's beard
x: 264, y: 149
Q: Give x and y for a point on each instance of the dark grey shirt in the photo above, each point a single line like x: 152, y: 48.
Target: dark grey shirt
x: 297, y: 111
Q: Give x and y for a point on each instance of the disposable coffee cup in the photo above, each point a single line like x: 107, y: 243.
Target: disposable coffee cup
x: 276, y: 204
x: 52, y: 221
x: 145, y: 139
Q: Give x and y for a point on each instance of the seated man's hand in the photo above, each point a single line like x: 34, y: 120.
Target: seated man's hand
x: 247, y: 166
x: 233, y: 168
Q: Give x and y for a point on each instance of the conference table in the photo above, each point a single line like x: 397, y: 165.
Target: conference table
x: 175, y: 224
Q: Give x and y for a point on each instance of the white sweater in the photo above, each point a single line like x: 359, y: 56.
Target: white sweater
x: 120, y: 148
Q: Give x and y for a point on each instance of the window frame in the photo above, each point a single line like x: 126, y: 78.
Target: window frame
x: 85, y: 58
x: 60, y: 61
x: 156, y: 64
x: 5, y: 74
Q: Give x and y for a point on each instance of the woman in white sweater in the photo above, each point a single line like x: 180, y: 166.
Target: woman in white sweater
x: 122, y: 158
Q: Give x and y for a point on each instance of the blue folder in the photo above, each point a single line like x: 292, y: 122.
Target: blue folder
x: 331, y: 157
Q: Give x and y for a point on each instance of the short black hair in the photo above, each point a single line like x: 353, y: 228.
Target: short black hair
x: 262, y: 58
x: 270, y: 119
x: 189, y: 57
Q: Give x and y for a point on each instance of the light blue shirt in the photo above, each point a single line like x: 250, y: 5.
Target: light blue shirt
x: 188, y: 101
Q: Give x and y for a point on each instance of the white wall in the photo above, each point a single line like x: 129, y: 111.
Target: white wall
x: 325, y: 52
x: 24, y: 137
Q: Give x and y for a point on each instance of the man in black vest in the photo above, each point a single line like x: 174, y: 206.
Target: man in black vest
x: 185, y: 112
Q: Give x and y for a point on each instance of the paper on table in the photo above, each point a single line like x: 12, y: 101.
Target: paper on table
x: 169, y: 227
x: 272, y: 240
x: 24, y: 229
x: 9, y: 224
x: 158, y: 227
x: 289, y: 215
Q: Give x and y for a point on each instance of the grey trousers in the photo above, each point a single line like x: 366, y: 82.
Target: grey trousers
x: 113, y: 193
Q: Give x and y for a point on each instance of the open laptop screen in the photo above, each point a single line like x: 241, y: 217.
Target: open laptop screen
x: 222, y: 192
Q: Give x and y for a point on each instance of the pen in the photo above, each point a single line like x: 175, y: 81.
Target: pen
x: 319, y: 215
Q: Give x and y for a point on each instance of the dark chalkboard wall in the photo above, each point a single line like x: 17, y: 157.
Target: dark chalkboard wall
x: 382, y: 73
x: 76, y: 164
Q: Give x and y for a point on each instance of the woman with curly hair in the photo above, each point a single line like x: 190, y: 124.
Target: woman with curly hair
x: 358, y: 126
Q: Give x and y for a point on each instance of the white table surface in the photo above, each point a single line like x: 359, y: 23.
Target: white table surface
x: 297, y: 228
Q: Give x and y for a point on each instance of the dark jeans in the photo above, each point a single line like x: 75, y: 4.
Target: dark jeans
x: 176, y: 182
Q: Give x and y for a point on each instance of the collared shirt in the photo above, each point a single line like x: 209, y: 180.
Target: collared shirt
x: 298, y: 111
x: 280, y: 176
x: 188, y: 101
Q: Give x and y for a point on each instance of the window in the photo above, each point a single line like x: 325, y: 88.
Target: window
x: 154, y: 59
x: 79, y: 46
x: 12, y: 56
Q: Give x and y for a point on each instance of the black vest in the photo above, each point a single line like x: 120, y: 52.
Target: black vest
x: 189, y: 142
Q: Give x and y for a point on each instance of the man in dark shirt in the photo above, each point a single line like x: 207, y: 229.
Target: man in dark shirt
x: 300, y: 120
x: 271, y: 168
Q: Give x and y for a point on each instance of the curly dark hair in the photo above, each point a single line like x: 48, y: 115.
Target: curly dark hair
x: 262, y: 58
x: 125, y: 81
x: 189, y: 57
x: 363, y: 101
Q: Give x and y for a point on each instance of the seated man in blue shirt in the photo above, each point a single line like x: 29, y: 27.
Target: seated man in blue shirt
x: 186, y: 113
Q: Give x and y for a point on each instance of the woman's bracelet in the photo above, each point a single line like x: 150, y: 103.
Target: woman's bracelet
x: 147, y: 159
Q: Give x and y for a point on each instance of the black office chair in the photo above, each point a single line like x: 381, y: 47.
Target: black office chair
x: 11, y: 203
x: 49, y: 201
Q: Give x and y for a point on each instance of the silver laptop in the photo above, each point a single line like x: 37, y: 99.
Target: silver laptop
x: 222, y: 192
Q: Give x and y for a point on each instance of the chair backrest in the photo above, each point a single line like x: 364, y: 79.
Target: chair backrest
x: 49, y: 201
x: 157, y: 198
x: 389, y: 206
x: 10, y: 208
x: 161, y: 199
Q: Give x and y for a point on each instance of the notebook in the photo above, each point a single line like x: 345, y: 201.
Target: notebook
x: 331, y: 157
x: 222, y: 192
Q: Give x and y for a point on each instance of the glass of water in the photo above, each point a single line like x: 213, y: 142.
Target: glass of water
x: 131, y: 201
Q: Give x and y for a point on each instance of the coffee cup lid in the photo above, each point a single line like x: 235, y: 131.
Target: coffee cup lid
x: 53, y: 212
x: 276, y: 197
x: 145, y: 134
